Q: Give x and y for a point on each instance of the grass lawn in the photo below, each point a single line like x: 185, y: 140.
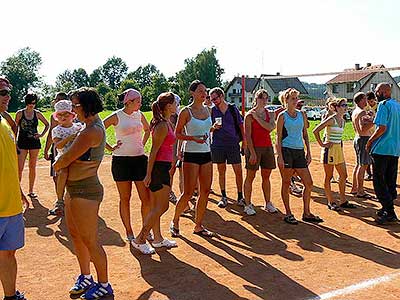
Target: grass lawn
x: 348, y: 132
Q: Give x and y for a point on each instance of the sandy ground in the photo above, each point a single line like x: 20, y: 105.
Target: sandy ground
x: 257, y: 257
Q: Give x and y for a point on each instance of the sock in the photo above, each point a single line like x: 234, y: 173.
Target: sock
x: 88, y: 276
x: 240, y: 195
x: 104, y: 285
x: 223, y: 192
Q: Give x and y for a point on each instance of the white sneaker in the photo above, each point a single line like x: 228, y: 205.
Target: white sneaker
x: 269, y: 207
x: 165, y: 243
x: 294, y: 189
x: 249, y: 210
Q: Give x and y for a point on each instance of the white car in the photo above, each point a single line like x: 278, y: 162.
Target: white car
x: 313, y: 113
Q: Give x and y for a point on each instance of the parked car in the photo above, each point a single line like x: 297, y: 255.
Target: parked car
x: 347, y: 115
x: 313, y: 113
x: 273, y: 107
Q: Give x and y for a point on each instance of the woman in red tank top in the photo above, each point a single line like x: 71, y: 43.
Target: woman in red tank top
x: 259, y: 122
x: 158, y: 178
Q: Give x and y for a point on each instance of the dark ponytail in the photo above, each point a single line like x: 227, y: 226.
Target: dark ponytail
x: 158, y: 107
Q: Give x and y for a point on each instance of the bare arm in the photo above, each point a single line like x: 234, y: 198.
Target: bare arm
x: 84, y: 141
x: 377, y: 134
x: 44, y: 121
x: 111, y: 120
x: 278, y: 142
x: 18, y: 117
x: 159, y: 135
x: 183, y: 118
x: 10, y: 121
x: 49, y: 139
x: 266, y: 125
x: 60, y: 143
x: 247, y: 125
x: 146, y: 128
x: 306, y: 140
x: 363, y: 123
x: 327, y: 122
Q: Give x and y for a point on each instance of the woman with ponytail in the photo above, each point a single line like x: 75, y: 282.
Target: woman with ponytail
x: 129, y: 163
x: 160, y: 166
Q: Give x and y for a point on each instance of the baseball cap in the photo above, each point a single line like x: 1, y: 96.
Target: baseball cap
x: 131, y: 94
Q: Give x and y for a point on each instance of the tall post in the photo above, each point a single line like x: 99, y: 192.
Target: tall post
x: 243, y: 95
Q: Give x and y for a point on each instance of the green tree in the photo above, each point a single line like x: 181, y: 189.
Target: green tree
x: 128, y: 84
x: 110, y: 100
x: 205, y: 67
x: 22, y: 69
x: 159, y: 84
x: 103, y: 89
x: 95, y: 77
x: 80, y: 77
x: 114, y: 71
x: 65, y: 81
x: 143, y: 75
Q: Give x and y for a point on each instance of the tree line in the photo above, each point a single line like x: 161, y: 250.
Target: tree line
x: 110, y: 79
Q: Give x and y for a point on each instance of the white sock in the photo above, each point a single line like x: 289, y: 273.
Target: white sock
x: 88, y: 276
x: 104, y: 285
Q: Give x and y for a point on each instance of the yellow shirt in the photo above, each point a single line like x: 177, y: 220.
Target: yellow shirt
x: 10, y: 194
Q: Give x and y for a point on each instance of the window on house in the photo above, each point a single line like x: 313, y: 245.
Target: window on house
x: 335, y: 88
x: 373, y: 87
x: 350, y: 87
x: 234, y: 91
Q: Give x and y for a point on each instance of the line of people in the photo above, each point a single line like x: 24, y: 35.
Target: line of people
x: 198, y: 136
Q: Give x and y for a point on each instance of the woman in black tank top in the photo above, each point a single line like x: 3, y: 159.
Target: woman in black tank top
x: 28, y: 138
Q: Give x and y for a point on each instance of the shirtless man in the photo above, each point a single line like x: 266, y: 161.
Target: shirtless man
x: 362, y: 123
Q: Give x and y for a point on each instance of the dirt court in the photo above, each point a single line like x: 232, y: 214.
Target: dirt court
x: 255, y: 257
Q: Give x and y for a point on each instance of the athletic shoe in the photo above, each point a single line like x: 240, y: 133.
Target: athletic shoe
x: 296, y: 178
x: 58, y: 210
x: 368, y: 178
x: 333, y: 180
x: 143, y: 248
x: 294, y: 189
x: 81, y: 285
x: 249, y: 210
x: 97, y: 291
x: 241, y: 202
x: 223, y: 202
x: 165, y: 243
x: 269, y: 207
x: 172, y: 197
x: 385, y: 218
x: 19, y: 296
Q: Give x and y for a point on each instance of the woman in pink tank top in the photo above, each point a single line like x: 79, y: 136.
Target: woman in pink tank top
x: 158, y: 178
x: 258, y: 123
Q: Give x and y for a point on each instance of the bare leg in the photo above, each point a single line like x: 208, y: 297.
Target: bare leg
x: 354, y: 187
x: 341, y: 169
x: 144, y: 196
x: 360, y: 179
x: 266, y: 184
x: 286, y: 177
x: 237, y: 168
x: 125, y: 190
x: 305, y: 176
x: 205, y: 179
x: 21, y: 162
x: 8, y: 271
x: 327, y: 182
x: 248, y: 185
x: 33, y: 155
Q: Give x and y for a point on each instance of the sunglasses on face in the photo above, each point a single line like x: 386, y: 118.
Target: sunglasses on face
x: 4, y: 93
x: 343, y: 105
x: 215, y: 98
x: 76, y: 105
x: 32, y: 103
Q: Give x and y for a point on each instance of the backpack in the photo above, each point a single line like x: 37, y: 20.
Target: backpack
x: 232, y: 109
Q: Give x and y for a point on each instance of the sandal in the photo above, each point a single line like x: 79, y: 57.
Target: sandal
x: 173, y: 230
x: 165, y: 243
x: 32, y: 195
x: 312, y: 219
x: 334, y: 206
x: 290, y: 219
x: 204, y: 233
x: 144, y: 248
x: 347, y: 204
x: 364, y: 196
x: 150, y: 237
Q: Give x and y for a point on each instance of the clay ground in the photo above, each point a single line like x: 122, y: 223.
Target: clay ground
x: 258, y: 257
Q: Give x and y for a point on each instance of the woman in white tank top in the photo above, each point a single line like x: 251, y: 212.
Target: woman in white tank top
x: 193, y: 127
x: 129, y: 163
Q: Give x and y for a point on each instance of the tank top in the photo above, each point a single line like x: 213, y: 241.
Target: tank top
x: 334, y: 133
x: 292, y: 133
x: 165, y: 153
x: 199, y: 128
x: 129, y: 131
x: 95, y: 153
x: 259, y: 135
x: 27, y: 128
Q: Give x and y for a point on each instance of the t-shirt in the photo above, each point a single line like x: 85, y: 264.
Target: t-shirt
x: 227, y: 135
x: 10, y: 193
x: 388, y: 114
x: 62, y: 132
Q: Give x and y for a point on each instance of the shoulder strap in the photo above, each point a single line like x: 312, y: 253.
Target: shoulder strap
x: 190, y: 111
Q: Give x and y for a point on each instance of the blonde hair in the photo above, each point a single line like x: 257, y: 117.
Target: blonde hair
x: 284, y: 95
x: 259, y: 94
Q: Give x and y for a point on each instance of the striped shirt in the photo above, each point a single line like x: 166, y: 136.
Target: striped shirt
x: 334, y: 133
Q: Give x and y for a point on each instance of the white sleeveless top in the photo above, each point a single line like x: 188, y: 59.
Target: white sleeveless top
x: 199, y: 128
x: 129, y: 131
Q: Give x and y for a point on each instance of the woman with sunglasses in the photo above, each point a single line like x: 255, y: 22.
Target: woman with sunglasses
x: 332, y: 155
x: 291, y: 137
x: 129, y: 163
x: 28, y: 140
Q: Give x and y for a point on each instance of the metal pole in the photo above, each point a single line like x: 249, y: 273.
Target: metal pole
x: 243, y: 95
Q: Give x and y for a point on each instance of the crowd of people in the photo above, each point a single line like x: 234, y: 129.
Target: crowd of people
x: 208, y: 131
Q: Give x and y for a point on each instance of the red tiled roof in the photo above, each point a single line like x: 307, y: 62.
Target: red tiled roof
x: 354, y: 77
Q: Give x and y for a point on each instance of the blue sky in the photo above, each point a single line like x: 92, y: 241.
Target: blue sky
x: 251, y: 37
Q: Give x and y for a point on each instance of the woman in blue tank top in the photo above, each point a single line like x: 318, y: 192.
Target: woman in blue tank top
x: 193, y: 127
x: 291, y: 136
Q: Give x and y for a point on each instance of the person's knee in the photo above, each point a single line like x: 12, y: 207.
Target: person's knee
x: 6, y: 255
x: 308, y: 184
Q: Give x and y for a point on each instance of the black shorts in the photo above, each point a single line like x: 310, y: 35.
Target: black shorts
x: 160, y: 175
x: 199, y: 158
x: 26, y: 143
x: 294, y: 158
x: 129, y: 168
x: 52, y: 160
x: 229, y: 155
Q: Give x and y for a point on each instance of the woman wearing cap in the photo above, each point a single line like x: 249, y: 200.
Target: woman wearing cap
x: 332, y: 155
x: 160, y: 167
x: 291, y: 137
x: 63, y: 135
x: 85, y: 192
x: 193, y: 127
x: 28, y: 141
x: 129, y: 163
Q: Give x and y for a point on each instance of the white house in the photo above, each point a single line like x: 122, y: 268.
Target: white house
x: 233, y: 92
x: 346, y: 85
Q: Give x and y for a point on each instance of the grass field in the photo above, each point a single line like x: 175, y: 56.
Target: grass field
x: 348, y: 133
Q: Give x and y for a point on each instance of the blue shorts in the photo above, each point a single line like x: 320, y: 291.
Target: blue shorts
x: 12, y: 232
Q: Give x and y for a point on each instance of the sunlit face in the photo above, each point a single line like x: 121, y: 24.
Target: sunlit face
x: 173, y: 107
x: 32, y: 104
x: 4, y: 100
x: 200, y: 93
x: 292, y: 100
x: 77, y: 108
x: 216, y: 99
x: 135, y: 104
x: 262, y: 100
x: 65, y: 118
x: 371, y: 102
x: 342, y: 107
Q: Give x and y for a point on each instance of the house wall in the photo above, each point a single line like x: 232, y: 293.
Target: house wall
x: 236, y: 97
x: 264, y: 85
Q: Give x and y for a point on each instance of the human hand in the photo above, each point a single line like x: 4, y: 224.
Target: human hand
x: 253, y: 158
x: 147, y: 180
